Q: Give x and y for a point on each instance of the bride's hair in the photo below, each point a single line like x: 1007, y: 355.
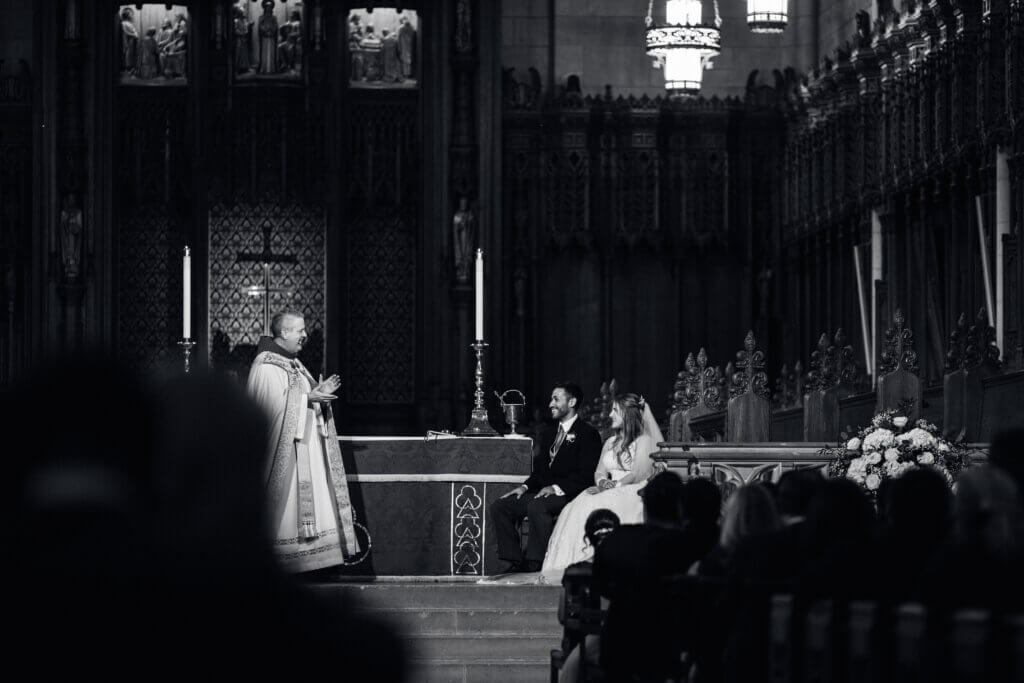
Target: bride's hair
x: 632, y: 408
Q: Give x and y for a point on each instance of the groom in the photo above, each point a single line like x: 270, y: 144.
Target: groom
x: 563, y: 467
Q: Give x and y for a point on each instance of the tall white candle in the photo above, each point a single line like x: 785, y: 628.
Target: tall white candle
x: 186, y: 280
x: 479, y: 294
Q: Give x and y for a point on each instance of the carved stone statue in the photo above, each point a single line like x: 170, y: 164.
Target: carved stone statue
x: 242, y: 28
x: 371, y: 48
x: 71, y: 236
x: 863, y: 30
x: 289, y: 49
x: 355, y: 36
x: 406, y: 45
x: 464, y: 237
x: 149, y: 56
x: 172, y: 57
x: 519, y: 281
x: 129, y: 41
x: 463, y: 30
x: 268, y: 29
x: 392, y: 63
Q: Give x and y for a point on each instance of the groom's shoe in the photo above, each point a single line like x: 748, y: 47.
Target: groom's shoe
x: 531, y: 566
x: 513, y: 568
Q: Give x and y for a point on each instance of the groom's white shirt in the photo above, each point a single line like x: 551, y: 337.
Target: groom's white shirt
x: 566, y: 426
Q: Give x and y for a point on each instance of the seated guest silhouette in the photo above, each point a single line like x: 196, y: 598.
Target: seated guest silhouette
x: 578, y: 593
x: 630, y: 563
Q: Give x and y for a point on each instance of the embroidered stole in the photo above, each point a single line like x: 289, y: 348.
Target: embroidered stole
x: 292, y: 450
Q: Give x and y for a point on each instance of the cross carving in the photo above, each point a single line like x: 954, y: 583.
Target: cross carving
x: 265, y: 258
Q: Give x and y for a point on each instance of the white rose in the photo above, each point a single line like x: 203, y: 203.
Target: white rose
x: 878, y: 440
x: 892, y: 468
x: 873, y: 481
x: 855, y: 476
x: 853, y: 444
x: 943, y: 448
x: 900, y: 422
x: 921, y: 438
x: 892, y: 454
x: 858, y: 465
x: 926, y: 458
x: 873, y: 458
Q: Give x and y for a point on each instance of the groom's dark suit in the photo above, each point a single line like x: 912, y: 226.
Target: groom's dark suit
x: 572, y: 470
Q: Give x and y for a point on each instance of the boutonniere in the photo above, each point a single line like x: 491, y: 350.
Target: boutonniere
x: 571, y: 437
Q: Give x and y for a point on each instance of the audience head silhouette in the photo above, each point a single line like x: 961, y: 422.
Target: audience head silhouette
x: 920, y: 506
x: 1008, y: 453
x: 599, y: 524
x: 702, y: 503
x: 989, y: 514
x: 795, y: 490
x: 663, y: 500
x: 840, y: 512
x: 750, y: 511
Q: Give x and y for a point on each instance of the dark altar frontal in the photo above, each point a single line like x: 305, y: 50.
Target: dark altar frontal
x: 424, y: 501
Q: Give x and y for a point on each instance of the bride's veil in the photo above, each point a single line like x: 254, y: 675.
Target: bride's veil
x: 651, y: 427
x: 644, y: 466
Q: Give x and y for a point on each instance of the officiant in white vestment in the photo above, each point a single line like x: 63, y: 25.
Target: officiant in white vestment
x: 310, y: 510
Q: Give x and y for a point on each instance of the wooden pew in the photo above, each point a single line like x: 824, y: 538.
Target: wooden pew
x: 1003, y: 404
x: 969, y: 633
x: 909, y: 631
x: 833, y: 377
x: 860, y: 665
x: 898, y: 384
x: 699, y: 391
x: 972, y: 357
x: 780, y: 639
x: 749, y: 412
x: 817, y: 647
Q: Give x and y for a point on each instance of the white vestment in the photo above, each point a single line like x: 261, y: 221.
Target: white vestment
x: 325, y: 542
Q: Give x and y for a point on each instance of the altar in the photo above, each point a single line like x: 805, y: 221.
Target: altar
x: 424, y: 500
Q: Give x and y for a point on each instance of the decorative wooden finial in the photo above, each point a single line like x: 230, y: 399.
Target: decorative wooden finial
x: 898, y: 352
x: 750, y: 376
x: 832, y: 363
x: 709, y: 389
x: 981, y: 343
x: 956, y: 353
x: 686, y: 391
x: 846, y: 366
x: 782, y: 396
x: 798, y: 377
x: 821, y: 368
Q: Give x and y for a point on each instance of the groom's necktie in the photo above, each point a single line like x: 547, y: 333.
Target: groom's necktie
x: 559, y: 438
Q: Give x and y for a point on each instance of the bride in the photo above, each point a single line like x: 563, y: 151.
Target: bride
x: 622, y: 471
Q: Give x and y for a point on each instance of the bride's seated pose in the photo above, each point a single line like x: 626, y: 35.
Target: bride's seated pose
x: 623, y: 469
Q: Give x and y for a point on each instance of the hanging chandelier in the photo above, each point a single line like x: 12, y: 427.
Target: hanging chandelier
x: 683, y: 45
x: 767, y: 16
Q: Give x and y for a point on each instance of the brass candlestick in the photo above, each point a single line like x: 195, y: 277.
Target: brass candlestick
x: 186, y: 345
x: 478, y: 423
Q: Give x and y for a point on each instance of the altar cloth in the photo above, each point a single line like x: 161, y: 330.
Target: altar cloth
x: 424, y: 501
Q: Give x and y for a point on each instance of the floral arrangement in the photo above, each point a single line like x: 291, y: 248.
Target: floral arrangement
x: 890, y: 447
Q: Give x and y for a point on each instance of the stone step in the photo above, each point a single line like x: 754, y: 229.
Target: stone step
x: 473, y: 649
x: 439, y: 595
x: 496, y: 671
x: 532, y: 621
